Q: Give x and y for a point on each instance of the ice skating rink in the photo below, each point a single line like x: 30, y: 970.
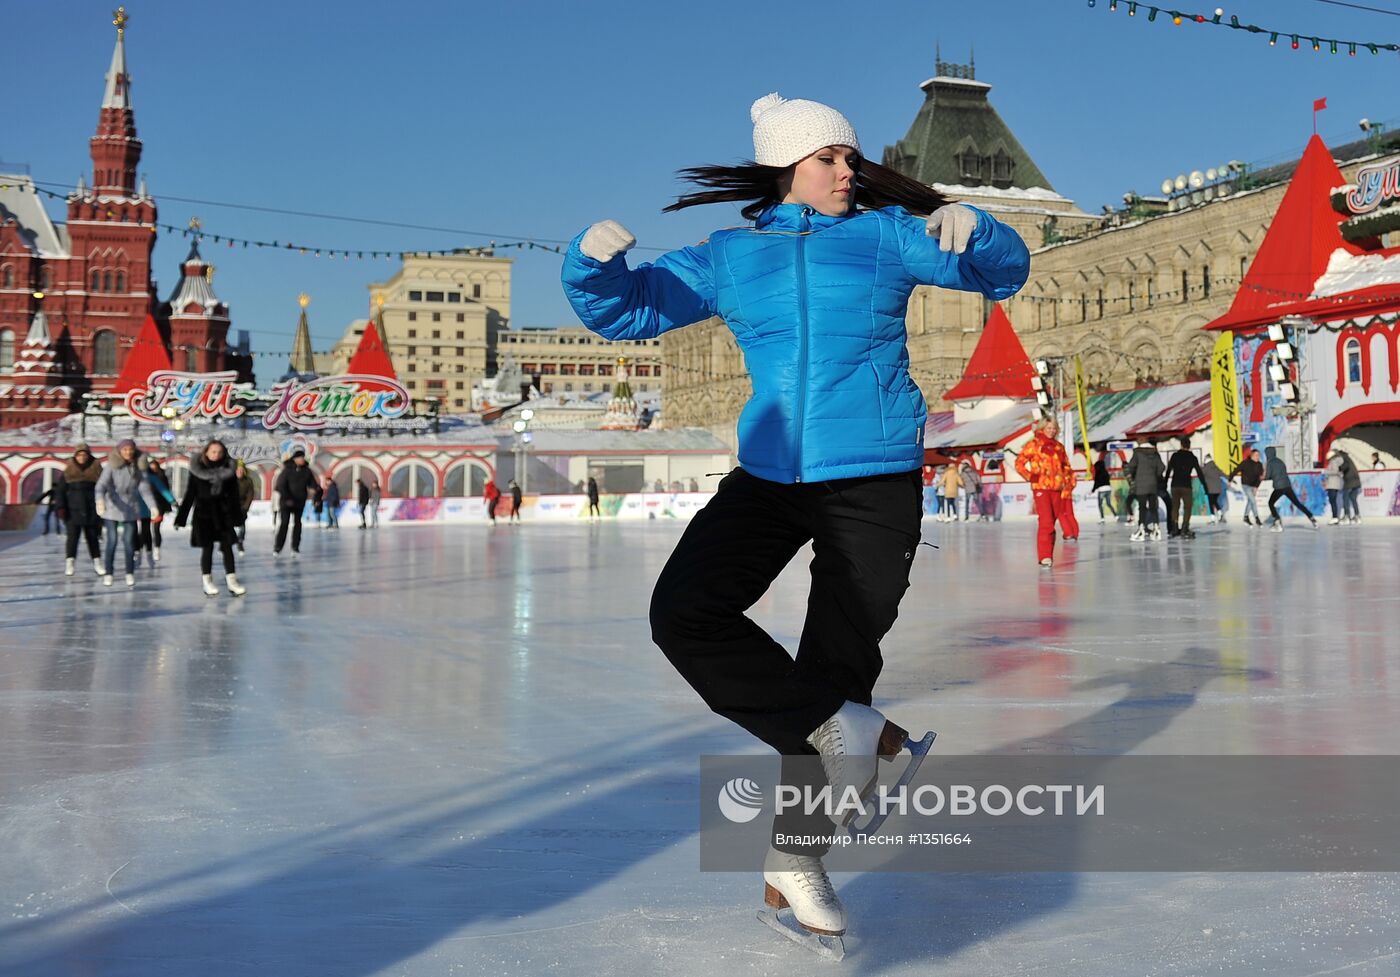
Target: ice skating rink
x: 434, y: 751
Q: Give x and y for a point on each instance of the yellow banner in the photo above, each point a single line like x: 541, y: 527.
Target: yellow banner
x: 1083, y: 412
x: 1225, y: 403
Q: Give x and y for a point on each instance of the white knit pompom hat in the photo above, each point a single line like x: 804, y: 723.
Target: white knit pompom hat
x: 788, y: 130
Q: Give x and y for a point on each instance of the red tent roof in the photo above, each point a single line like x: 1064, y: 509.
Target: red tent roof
x: 370, y: 356
x: 146, y: 357
x: 999, y: 366
x: 1297, y: 247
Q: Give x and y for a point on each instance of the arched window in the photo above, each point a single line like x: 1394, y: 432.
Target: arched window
x: 8, y: 276
x: 45, y: 278
x: 412, y: 481
x: 258, y: 481
x: 464, y: 479
x: 121, y: 281
x: 191, y: 360
x: 7, y: 348
x: 38, y: 481
x: 347, y: 476
x: 1353, y: 353
x: 104, y: 352
x: 106, y: 281
x: 177, y: 473
x: 96, y: 280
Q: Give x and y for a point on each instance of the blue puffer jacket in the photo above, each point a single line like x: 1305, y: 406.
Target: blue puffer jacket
x: 817, y: 305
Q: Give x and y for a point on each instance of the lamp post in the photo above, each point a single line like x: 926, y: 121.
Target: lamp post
x: 522, y: 441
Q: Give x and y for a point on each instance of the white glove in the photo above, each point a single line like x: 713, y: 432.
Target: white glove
x: 605, y: 240
x: 953, y: 225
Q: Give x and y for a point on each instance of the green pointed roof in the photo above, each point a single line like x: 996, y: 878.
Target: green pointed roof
x: 303, y: 360
x: 958, y: 139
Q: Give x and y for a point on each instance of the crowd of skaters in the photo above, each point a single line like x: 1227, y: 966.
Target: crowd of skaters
x: 123, y: 502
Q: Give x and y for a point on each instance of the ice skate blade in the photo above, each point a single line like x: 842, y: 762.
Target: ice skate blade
x: 831, y: 948
x: 918, y: 749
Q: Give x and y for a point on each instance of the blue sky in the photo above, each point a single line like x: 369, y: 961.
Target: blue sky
x: 533, y: 119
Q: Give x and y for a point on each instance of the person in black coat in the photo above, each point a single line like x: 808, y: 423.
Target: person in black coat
x: 212, y: 494
x: 295, y: 484
x: 593, y: 498
x: 78, y: 508
x: 515, y: 498
x: 363, y: 498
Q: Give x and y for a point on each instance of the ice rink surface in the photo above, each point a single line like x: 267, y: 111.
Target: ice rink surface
x: 433, y: 751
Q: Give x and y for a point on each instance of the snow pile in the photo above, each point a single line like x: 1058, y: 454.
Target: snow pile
x: 1348, y: 272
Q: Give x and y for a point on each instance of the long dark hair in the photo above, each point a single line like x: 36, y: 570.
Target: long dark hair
x: 876, y: 186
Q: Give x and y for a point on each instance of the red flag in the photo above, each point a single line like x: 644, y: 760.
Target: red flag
x: 1319, y: 104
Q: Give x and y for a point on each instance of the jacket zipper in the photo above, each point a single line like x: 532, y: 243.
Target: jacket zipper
x: 802, y: 333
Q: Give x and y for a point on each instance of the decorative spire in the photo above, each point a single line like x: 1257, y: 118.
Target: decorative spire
x: 303, y: 360
x: 118, y: 93
x: 622, y: 409
x: 38, y: 331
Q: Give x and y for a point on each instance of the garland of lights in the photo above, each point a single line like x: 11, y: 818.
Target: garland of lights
x: 1179, y: 17
x: 345, y: 253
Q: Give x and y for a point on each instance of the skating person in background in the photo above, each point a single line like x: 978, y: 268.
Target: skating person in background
x: 362, y: 497
x: 1351, y: 490
x: 121, y: 491
x: 845, y: 478
x: 1146, y: 475
x: 1276, y: 472
x: 950, y: 483
x: 593, y: 511
x: 165, y: 503
x: 296, y: 483
x: 1250, y: 472
x: 493, y: 499
x: 247, y: 492
x: 1332, y: 483
x: 1180, y: 470
x: 331, y: 500
x: 212, y: 493
x: 1376, y: 460
x: 1103, y: 485
x: 1044, y: 464
x: 516, y: 496
x: 79, y: 508
x: 374, y: 497
x: 52, y: 500
x: 972, y: 488
x: 1216, y: 496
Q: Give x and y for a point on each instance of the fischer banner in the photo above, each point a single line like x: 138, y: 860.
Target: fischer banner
x: 1225, y: 404
x: 1083, y: 411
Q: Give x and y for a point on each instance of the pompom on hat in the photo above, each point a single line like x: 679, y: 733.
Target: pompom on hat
x: 788, y: 130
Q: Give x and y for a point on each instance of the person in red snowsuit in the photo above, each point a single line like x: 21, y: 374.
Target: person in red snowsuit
x: 1044, y: 464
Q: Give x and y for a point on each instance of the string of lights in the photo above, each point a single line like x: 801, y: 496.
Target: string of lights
x: 1296, y: 38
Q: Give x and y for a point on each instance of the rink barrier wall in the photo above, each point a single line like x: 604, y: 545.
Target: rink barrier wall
x: 1380, y: 496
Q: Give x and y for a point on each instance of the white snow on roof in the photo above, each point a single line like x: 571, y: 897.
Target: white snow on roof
x: 19, y: 201
x: 1347, y: 272
x: 988, y: 430
x: 1009, y: 193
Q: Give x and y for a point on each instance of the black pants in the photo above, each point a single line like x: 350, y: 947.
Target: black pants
x: 1286, y: 493
x: 1182, y: 500
x: 490, y: 510
x: 206, y: 554
x: 593, y: 508
x: 1147, y: 509
x: 293, y: 516
x: 864, y: 532
x: 147, y: 535
x: 75, y: 530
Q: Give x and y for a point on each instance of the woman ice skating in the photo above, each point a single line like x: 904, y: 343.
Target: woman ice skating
x: 1103, y: 485
x: 1146, y: 472
x: 1044, y: 463
x: 247, y: 493
x: 78, y: 509
x: 212, y: 493
x: 951, y: 484
x: 165, y: 503
x: 122, y: 489
x: 830, y: 443
x: 516, y: 495
x: 1276, y: 472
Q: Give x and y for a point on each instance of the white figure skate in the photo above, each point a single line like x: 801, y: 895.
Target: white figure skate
x: 850, y: 743
x: 815, y: 919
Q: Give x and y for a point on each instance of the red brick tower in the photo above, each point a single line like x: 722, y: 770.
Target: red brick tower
x: 111, y: 231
